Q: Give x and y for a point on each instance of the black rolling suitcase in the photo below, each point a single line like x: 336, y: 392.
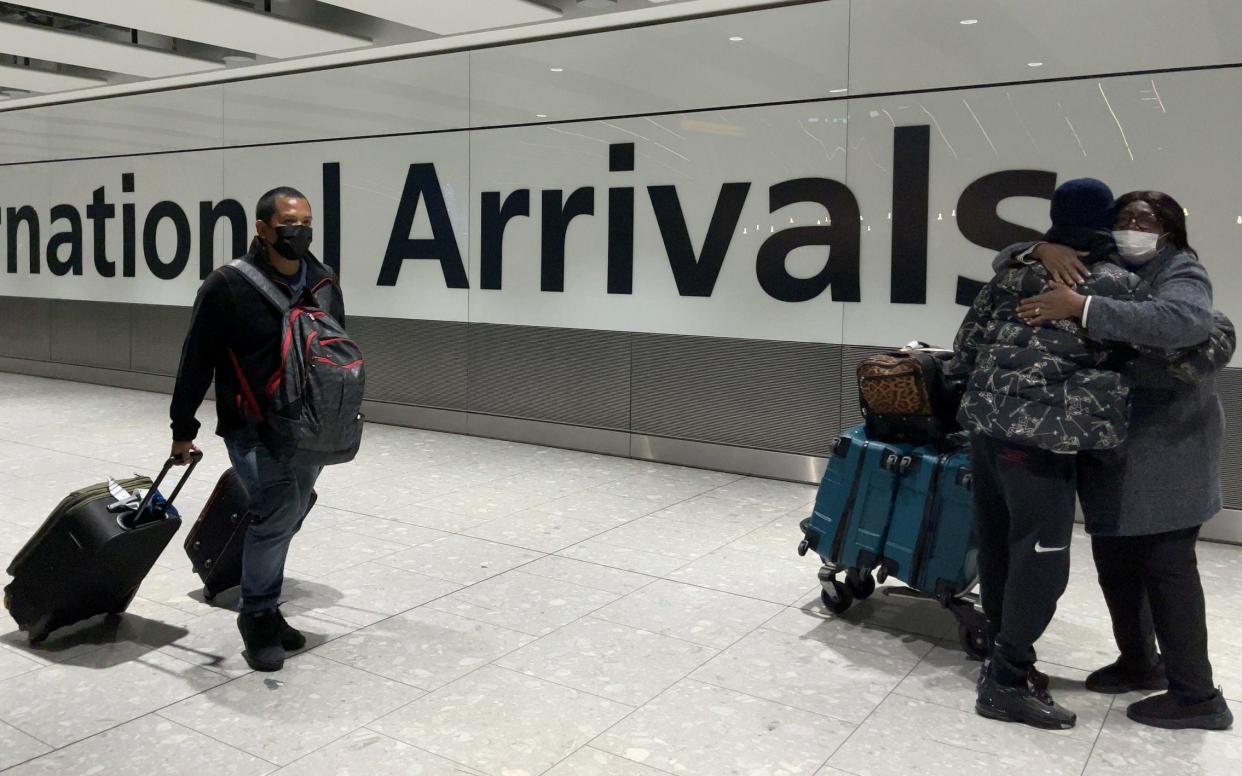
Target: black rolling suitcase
x: 91, y: 554
x: 214, y: 544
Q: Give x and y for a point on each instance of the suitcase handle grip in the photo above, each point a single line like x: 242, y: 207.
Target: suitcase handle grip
x: 195, y: 457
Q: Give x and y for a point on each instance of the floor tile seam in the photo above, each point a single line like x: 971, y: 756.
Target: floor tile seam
x: 860, y: 725
x: 764, y: 626
x: 423, y: 690
x: 465, y: 536
x: 153, y: 712
x: 1098, y: 735
x: 537, y: 636
x: 650, y: 578
x: 931, y: 641
x: 717, y: 652
x: 275, y: 766
x: 775, y: 701
x: 459, y: 589
x: 30, y: 736
x: 595, y: 616
x: 591, y: 743
x: 367, y: 727
x: 718, y: 590
x: 536, y: 549
x: 605, y: 618
x: 630, y: 706
x: 897, y: 692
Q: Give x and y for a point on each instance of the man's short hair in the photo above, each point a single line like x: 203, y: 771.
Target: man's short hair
x: 267, y: 203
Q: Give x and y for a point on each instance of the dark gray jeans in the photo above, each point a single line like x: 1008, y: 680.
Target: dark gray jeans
x: 279, y: 496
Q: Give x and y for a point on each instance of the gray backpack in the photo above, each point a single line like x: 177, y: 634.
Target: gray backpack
x: 313, y: 401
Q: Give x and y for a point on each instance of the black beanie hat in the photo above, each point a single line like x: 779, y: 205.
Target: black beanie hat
x: 1082, y: 203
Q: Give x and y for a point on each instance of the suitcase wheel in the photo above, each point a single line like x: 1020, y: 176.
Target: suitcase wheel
x: 208, y: 593
x: 860, y: 583
x: 803, y: 546
x: 836, y: 596
x: 974, y: 641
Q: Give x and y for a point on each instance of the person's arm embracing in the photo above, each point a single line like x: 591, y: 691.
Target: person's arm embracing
x: 1179, y: 315
x: 203, y: 348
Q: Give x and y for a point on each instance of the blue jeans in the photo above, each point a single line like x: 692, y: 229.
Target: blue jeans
x: 279, y: 495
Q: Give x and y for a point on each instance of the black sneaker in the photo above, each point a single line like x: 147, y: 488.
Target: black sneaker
x: 1165, y: 711
x: 1123, y: 676
x: 291, y: 638
x: 261, y: 635
x: 1019, y: 703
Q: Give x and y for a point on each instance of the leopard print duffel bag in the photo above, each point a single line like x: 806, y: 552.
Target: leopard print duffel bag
x: 905, y: 396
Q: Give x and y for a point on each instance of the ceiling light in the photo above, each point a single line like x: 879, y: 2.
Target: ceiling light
x: 541, y: 115
x: 837, y: 91
x: 596, y: 4
x: 969, y: 21
x: 737, y: 39
x: 557, y: 69
x: 1034, y: 64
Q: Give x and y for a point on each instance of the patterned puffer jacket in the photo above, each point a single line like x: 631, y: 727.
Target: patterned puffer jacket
x: 1049, y: 387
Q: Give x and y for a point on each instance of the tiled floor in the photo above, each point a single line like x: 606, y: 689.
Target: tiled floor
x: 483, y: 607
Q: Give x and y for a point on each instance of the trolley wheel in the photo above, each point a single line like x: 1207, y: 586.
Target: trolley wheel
x: 836, y: 596
x: 881, y: 574
x: 860, y: 583
x: 974, y: 641
x: 208, y: 593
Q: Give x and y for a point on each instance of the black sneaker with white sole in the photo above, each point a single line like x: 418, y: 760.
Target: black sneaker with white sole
x: 1019, y: 703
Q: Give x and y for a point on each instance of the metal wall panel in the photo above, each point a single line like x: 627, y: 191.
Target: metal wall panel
x: 413, y: 362
x: 25, y: 328
x: 91, y: 333
x: 559, y: 375
x: 158, y: 334
x: 1229, y: 383
x: 782, y: 396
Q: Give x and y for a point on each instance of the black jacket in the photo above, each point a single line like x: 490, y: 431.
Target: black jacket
x: 1050, y: 387
x: 232, y: 317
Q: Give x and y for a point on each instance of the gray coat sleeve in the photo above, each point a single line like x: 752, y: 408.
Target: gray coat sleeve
x: 1008, y: 257
x: 1178, y: 315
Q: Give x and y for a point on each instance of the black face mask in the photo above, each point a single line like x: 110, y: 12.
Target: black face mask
x: 293, y: 242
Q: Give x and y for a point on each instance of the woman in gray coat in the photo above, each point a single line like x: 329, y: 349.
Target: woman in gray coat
x: 1144, y: 509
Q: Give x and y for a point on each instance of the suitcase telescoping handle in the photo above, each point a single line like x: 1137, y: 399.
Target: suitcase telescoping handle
x: 195, y: 457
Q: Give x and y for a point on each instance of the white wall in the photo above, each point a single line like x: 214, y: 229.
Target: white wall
x: 474, y: 116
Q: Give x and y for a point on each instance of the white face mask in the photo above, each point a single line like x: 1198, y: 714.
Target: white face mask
x: 1136, y: 247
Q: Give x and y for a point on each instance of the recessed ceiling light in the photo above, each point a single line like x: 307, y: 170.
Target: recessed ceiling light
x: 557, y: 69
x: 737, y: 39
x: 1034, y: 64
x: 837, y: 91
x: 969, y: 21
x: 541, y: 115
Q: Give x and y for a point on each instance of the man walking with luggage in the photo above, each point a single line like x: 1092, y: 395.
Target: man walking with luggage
x: 235, y: 338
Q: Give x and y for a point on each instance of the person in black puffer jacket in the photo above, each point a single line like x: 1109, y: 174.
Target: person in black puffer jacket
x: 1034, y: 397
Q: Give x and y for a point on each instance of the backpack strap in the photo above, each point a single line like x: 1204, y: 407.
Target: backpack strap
x: 265, y: 285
